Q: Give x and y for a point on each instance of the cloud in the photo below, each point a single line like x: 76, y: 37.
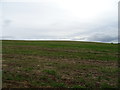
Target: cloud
x: 102, y: 38
x: 95, y: 20
x: 6, y: 23
x: 7, y: 38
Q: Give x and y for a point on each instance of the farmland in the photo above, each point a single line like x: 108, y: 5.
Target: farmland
x: 59, y: 64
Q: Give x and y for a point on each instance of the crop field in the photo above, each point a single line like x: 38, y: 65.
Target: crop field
x: 59, y: 64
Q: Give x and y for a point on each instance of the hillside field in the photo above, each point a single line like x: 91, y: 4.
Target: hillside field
x: 59, y: 64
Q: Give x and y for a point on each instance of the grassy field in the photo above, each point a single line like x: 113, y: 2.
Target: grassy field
x: 69, y: 64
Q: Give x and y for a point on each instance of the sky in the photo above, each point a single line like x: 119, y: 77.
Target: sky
x: 79, y: 20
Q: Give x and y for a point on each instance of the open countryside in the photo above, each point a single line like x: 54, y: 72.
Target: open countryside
x: 59, y: 64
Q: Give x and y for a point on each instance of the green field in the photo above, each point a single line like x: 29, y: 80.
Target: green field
x: 69, y: 64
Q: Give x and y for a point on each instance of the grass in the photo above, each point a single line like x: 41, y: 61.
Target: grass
x: 58, y: 64
x: 51, y: 72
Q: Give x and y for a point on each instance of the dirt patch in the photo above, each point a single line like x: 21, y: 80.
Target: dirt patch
x: 15, y: 84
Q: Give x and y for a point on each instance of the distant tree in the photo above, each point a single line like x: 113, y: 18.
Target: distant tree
x: 111, y: 42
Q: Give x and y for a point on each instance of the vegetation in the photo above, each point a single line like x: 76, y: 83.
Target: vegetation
x: 59, y: 64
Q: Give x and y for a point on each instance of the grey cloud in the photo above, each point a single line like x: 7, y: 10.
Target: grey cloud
x: 6, y: 22
x: 102, y: 38
x: 7, y: 38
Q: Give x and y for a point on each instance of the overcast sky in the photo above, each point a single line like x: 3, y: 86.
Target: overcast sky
x: 84, y: 20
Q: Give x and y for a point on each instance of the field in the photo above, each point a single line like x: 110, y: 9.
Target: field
x: 59, y: 64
